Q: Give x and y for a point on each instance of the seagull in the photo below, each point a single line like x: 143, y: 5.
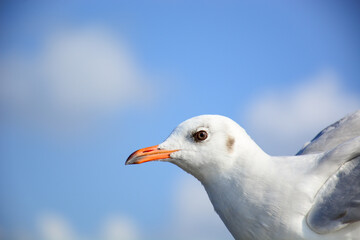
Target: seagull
x: 312, y: 195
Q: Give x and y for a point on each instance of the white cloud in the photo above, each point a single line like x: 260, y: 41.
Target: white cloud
x: 54, y: 227
x: 75, y: 75
x: 193, y: 215
x: 283, y: 120
x: 120, y: 228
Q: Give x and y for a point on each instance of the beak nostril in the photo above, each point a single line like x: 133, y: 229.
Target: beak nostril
x: 148, y: 151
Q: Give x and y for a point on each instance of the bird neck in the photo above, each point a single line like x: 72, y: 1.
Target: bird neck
x: 245, y: 165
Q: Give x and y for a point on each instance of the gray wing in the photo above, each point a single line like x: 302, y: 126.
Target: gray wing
x: 337, y: 203
x: 335, y: 134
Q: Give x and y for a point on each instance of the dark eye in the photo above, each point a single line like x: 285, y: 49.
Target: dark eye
x: 200, y: 136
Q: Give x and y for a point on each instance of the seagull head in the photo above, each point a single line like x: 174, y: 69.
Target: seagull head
x: 202, y: 146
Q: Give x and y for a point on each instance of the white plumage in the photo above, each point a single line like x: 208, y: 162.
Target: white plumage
x: 313, y: 195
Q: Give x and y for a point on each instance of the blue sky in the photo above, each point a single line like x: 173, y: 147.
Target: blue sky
x: 85, y: 83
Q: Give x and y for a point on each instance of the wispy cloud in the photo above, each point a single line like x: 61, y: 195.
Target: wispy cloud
x: 283, y: 120
x: 193, y: 214
x: 120, y: 228
x: 75, y: 75
x: 52, y: 226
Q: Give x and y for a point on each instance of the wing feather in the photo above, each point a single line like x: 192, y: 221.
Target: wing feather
x: 335, y: 134
x: 337, y: 204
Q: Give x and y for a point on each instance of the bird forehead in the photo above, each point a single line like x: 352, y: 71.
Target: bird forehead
x: 204, y: 121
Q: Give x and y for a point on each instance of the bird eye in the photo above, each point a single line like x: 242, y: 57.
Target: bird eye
x: 200, y: 136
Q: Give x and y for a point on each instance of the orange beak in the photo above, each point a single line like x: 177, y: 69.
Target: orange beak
x: 148, y: 154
